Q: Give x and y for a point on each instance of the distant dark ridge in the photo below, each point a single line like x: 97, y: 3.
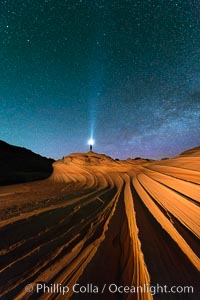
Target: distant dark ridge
x: 18, y: 164
x: 193, y: 151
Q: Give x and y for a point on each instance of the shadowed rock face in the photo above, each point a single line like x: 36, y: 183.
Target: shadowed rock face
x: 18, y: 164
x: 194, y: 151
x: 99, y: 221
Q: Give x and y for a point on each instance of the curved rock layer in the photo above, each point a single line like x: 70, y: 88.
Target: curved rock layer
x: 97, y: 222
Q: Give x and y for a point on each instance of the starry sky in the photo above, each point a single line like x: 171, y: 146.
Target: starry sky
x: 126, y: 72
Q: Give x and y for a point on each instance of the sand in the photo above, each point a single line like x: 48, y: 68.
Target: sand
x: 100, y: 221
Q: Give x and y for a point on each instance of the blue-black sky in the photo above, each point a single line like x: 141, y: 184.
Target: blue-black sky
x: 127, y: 70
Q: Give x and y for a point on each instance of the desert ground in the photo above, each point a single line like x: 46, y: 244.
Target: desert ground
x: 101, y: 221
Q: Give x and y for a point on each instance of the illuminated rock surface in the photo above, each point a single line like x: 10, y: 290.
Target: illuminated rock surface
x: 100, y: 221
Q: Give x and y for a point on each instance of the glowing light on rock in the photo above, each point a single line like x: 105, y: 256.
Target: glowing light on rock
x: 91, y: 142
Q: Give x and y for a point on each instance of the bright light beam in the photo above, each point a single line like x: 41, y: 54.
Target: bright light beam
x: 91, y: 142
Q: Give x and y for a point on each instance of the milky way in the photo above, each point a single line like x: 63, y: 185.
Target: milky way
x: 127, y: 70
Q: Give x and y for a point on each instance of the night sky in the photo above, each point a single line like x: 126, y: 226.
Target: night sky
x: 126, y: 72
